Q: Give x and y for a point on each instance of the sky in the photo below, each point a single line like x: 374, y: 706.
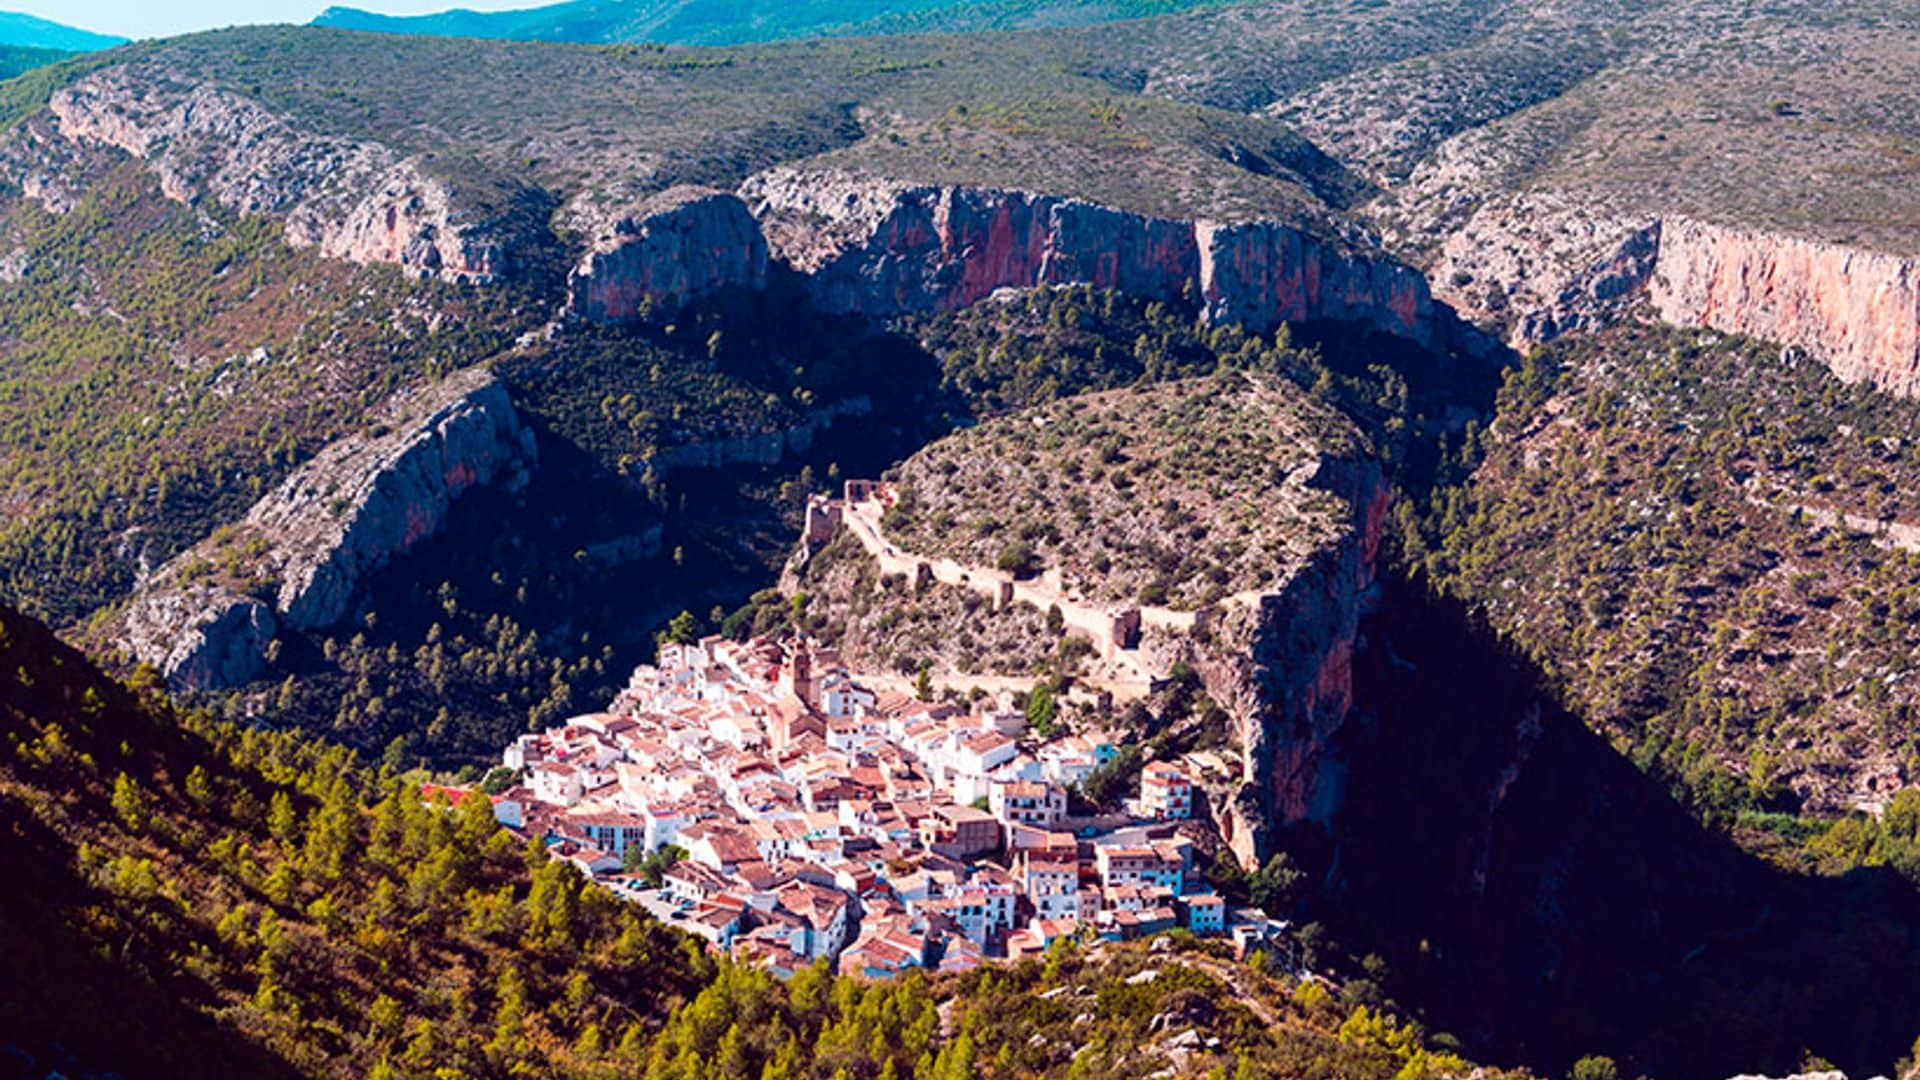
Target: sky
x: 159, y: 18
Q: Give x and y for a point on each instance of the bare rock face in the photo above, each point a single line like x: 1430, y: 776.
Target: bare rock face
x: 763, y: 449
x: 678, y: 246
x: 365, y: 499
x: 1542, y: 265
x: 310, y: 542
x: 200, y: 635
x: 1263, y: 273
x: 1858, y: 310
x: 881, y: 248
x: 352, y: 200
x: 1284, y: 669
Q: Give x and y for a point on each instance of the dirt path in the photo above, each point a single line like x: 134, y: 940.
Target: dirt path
x: 1893, y: 534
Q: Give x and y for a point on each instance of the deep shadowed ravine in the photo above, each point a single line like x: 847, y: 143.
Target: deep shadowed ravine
x: 1540, y: 898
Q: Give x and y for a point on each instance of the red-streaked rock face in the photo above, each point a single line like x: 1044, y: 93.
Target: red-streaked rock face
x: 1284, y: 669
x: 1263, y: 273
x: 1857, y: 310
x: 882, y: 249
x: 679, y: 246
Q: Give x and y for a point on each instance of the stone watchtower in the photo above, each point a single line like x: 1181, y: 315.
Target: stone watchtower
x: 823, y: 520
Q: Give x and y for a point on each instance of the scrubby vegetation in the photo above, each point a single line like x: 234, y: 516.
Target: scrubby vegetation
x: 737, y: 368
x: 1171, y: 496
x: 166, y: 365
x: 1657, y: 520
x: 17, y: 60
x: 895, y: 625
x: 1036, y: 347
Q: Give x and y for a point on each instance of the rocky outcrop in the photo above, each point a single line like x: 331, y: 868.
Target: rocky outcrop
x: 1858, y: 310
x: 350, y: 199
x: 765, y: 448
x: 681, y: 245
x: 200, y: 635
x: 309, y: 543
x: 1539, y: 266
x: 880, y: 248
x: 1263, y: 273
x: 365, y: 499
x: 1284, y: 669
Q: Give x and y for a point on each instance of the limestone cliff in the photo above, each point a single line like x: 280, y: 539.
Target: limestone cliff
x: 882, y: 248
x: 763, y: 449
x: 1283, y: 667
x: 1537, y: 262
x: 1858, y: 310
x: 679, y: 246
x: 309, y: 543
x: 200, y: 635
x: 350, y: 199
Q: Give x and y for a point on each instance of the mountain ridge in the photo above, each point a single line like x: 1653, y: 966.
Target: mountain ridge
x: 685, y: 22
x: 29, y: 31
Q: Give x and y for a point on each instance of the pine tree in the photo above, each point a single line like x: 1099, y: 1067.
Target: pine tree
x: 129, y: 802
x: 199, y: 788
x: 281, y: 820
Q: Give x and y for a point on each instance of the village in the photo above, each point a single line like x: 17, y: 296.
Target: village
x: 758, y: 795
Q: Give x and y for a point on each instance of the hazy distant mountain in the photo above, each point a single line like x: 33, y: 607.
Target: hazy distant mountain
x: 37, y: 33
x: 724, y: 22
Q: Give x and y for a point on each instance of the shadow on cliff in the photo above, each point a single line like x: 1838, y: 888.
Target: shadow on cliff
x: 1540, y: 898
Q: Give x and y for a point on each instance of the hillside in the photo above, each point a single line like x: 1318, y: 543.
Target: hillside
x: 211, y: 901
x: 1709, y: 541
x: 1540, y: 894
x: 1176, y: 496
x: 398, y: 389
x: 27, y: 31
x: 19, y: 59
x: 679, y: 22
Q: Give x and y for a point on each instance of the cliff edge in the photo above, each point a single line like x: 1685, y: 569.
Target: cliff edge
x: 206, y: 617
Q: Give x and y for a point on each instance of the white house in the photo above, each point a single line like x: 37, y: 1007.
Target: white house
x: 826, y: 913
x: 1020, y: 802
x: 1052, y: 885
x: 841, y: 696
